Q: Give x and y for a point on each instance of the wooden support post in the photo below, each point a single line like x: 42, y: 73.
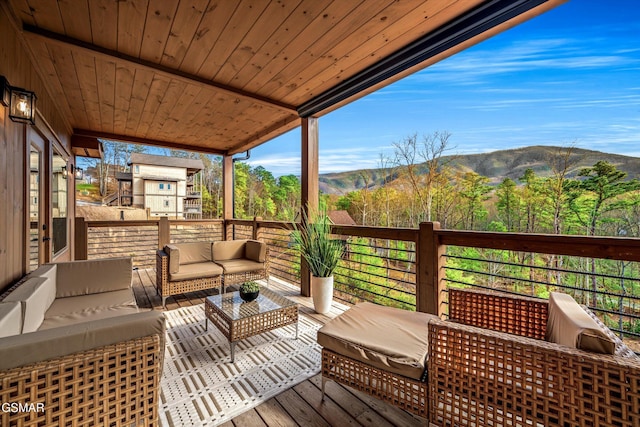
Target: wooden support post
x: 256, y: 231
x: 164, y: 232
x: 309, y: 186
x: 430, y: 267
x: 81, y: 239
x: 227, y: 196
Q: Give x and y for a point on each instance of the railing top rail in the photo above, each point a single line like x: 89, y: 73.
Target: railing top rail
x: 125, y: 223
x: 620, y: 248
x: 407, y: 234
x: 196, y: 221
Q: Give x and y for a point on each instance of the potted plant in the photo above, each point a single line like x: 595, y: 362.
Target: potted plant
x: 312, y: 239
x: 249, y: 291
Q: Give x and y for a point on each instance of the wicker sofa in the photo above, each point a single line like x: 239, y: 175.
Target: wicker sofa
x: 491, y: 365
x: 190, y: 267
x: 76, y: 350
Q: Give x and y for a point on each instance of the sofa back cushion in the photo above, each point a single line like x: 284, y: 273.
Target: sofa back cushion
x: 174, y: 258
x: 228, y: 249
x: 255, y: 251
x: 571, y: 326
x: 194, y: 252
x: 35, y: 295
x: 94, y: 276
x: 10, y: 318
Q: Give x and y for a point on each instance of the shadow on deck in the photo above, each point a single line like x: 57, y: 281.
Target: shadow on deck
x: 301, y: 404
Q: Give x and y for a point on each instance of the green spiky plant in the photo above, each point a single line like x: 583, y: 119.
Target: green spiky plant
x: 312, y: 239
x: 249, y: 287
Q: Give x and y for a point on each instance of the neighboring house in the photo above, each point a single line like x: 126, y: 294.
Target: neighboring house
x: 166, y: 186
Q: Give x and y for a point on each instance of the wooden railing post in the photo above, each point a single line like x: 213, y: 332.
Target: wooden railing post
x: 164, y: 232
x: 81, y: 239
x: 430, y: 267
x: 256, y: 230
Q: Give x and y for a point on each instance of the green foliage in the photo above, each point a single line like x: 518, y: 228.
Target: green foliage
x: 249, y: 287
x: 312, y: 238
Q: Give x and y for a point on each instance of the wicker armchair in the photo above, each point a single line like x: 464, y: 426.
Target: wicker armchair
x: 492, y: 367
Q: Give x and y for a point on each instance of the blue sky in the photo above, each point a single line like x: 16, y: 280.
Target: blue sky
x: 567, y: 77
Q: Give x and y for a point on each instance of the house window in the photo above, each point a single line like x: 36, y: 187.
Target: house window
x: 168, y: 186
x: 166, y: 203
x: 162, y: 186
x: 136, y: 168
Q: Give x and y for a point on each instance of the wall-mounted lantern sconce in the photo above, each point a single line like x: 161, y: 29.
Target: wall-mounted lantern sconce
x: 21, y: 102
x: 65, y: 173
x: 79, y: 173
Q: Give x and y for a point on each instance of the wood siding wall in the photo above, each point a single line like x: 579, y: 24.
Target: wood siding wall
x: 17, y: 67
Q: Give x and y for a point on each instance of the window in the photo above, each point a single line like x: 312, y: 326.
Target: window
x: 166, y: 203
x: 136, y: 168
x: 168, y: 186
x: 59, y: 198
x: 162, y: 186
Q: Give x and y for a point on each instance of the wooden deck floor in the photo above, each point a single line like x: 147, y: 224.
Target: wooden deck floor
x: 300, y: 405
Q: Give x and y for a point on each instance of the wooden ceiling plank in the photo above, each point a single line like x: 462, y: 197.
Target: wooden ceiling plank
x: 358, y: 51
x: 76, y: 19
x: 241, y: 22
x: 185, y: 23
x: 46, y: 14
x: 106, y: 73
x: 258, y: 35
x: 140, y: 90
x: 253, y: 75
x: 124, y: 85
x: 87, y: 79
x: 66, y: 75
x: 104, y: 23
x: 211, y: 26
x: 181, y: 111
x: 157, y: 101
x: 92, y: 50
x: 156, y: 31
x: 293, y: 53
x: 130, y: 14
x: 21, y: 11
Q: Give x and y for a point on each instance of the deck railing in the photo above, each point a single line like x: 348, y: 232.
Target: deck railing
x: 412, y: 268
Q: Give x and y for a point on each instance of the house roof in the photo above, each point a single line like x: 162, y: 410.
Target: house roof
x: 341, y: 218
x: 225, y: 76
x: 176, y: 162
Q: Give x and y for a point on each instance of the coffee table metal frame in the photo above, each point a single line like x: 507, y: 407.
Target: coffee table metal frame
x: 238, y: 320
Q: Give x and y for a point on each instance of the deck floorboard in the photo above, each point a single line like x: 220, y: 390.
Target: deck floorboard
x: 300, y: 405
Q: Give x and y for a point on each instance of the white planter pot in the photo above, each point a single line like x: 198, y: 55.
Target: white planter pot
x: 322, y: 293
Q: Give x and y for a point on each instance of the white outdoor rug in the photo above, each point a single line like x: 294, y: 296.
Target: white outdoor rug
x: 201, y: 387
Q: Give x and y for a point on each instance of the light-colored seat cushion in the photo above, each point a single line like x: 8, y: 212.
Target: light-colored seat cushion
x: 194, y: 252
x: 10, y: 318
x: 388, y: 338
x: 174, y: 258
x: 240, y: 266
x: 196, y: 271
x: 36, y: 295
x: 94, y: 276
x: 568, y: 324
x: 255, y: 251
x: 83, y: 308
x: 228, y: 249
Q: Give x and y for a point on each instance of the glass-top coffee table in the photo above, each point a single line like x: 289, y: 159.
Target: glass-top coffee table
x: 237, y: 319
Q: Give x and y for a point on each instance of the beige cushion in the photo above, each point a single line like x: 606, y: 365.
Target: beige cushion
x: 10, y: 318
x: 196, y: 271
x: 568, y: 324
x: 84, y: 308
x: 228, y: 249
x: 21, y: 350
x: 36, y: 295
x: 255, y: 251
x: 93, y: 276
x: 49, y: 271
x: 174, y: 257
x: 240, y: 266
x: 388, y: 338
x: 191, y: 253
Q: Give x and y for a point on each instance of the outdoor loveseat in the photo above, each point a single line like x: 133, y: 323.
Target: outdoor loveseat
x: 76, y: 350
x: 490, y: 364
x: 190, y: 267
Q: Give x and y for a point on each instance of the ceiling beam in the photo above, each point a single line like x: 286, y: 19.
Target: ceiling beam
x: 78, y: 133
x: 473, y: 23
x: 46, y: 36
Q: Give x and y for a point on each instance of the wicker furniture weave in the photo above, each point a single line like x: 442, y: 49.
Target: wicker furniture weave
x: 247, y: 276
x: 238, y: 320
x: 167, y: 288
x: 115, y: 385
x: 503, y: 373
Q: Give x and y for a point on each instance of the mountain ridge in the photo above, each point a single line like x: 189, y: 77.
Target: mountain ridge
x: 496, y: 165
